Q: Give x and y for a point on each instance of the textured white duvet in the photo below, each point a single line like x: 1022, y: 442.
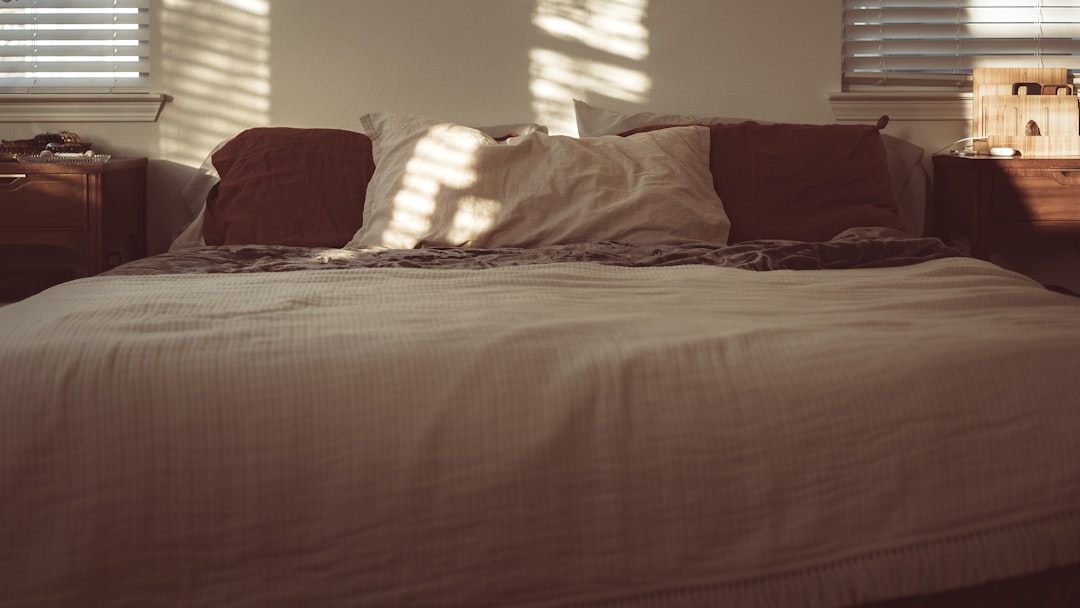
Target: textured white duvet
x: 557, y: 435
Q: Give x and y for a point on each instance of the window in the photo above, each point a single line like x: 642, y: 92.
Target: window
x: 74, y: 46
x: 938, y: 42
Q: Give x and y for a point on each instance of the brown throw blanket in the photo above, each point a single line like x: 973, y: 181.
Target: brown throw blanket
x: 853, y: 248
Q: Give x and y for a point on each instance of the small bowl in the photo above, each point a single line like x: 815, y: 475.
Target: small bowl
x: 68, y: 148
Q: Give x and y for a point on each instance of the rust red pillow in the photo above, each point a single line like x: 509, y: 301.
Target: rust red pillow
x: 289, y: 186
x: 800, y: 182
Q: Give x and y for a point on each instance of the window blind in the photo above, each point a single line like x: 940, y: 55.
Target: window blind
x: 77, y: 46
x: 938, y: 42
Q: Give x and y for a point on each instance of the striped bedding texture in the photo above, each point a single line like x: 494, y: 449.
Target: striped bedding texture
x: 554, y: 434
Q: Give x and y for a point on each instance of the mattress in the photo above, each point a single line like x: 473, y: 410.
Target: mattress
x: 600, y: 425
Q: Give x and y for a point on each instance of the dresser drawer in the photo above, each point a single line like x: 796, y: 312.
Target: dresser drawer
x: 57, y: 200
x: 1046, y: 194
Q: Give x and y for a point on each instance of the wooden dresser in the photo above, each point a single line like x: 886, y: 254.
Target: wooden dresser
x: 94, y: 213
x: 991, y: 202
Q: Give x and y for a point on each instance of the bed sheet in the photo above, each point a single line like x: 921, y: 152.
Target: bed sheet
x: 537, y: 434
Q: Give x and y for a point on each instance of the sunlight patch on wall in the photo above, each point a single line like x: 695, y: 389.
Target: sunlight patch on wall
x: 558, y: 78
x: 216, y: 59
x: 613, y: 28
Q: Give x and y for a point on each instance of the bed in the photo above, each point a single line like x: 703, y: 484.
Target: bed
x: 416, y: 364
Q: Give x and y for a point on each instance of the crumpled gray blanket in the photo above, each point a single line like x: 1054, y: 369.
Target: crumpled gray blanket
x: 870, y: 247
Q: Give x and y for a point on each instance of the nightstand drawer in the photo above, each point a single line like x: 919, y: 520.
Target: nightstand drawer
x: 42, y: 200
x: 1037, y: 195
x: 60, y: 221
x: 985, y: 202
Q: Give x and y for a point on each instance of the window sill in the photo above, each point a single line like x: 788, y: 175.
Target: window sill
x: 868, y: 106
x: 81, y: 108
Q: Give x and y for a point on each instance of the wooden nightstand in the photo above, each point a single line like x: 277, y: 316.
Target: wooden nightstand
x: 994, y: 202
x: 95, y: 213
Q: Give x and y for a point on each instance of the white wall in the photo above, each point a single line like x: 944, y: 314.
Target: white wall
x: 232, y: 64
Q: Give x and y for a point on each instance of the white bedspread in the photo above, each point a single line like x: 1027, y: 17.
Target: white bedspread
x: 555, y: 435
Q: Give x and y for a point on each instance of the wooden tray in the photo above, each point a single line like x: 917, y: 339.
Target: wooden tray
x: 1036, y: 125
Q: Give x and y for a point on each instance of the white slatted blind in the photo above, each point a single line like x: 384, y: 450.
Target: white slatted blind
x: 84, y: 46
x: 938, y: 42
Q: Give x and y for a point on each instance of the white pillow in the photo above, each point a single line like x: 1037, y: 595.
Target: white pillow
x: 593, y: 121
x: 440, y: 184
x: 910, y: 179
x: 194, y: 195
